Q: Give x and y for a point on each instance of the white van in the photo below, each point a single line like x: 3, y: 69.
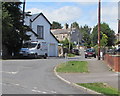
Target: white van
x: 34, y: 49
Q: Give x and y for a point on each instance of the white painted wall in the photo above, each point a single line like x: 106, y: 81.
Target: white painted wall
x: 47, y: 35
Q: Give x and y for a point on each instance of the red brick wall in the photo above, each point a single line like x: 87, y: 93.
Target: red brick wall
x: 113, y: 61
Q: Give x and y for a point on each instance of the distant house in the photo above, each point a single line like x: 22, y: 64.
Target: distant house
x: 41, y: 32
x: 61, y: 34
x: 71, y: 34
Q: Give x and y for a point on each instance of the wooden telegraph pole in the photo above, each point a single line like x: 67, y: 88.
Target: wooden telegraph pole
x: 23, y: 11
x: 99, y: 16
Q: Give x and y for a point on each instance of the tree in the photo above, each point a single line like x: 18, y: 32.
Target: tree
x: 105, y: 29
x: 13, y: 31
x: 85, y: 30
x: 66, y: 26
x: 75, y: 25
x: 56, y: 25
x: 104, y: 40
x: 66, y: 43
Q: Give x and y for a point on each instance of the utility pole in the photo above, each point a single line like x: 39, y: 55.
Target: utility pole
x: 70, y: 38
x: 118, y: 21
x: 99, y: 16
x: 118, y: 29
x: 78, y: 39
x: 23, y: 11
x: 23, y: 19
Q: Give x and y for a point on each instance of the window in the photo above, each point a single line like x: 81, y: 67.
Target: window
x: 29, y: 45
x: 30, y: 24
x: 40, y: 31
x: 38, y: 47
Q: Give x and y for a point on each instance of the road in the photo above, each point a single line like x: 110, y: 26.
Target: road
x: 34, y: 76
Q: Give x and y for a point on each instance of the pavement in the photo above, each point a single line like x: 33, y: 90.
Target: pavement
x: 98, y: 72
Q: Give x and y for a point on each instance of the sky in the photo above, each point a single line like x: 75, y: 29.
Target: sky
x: 80, y: 12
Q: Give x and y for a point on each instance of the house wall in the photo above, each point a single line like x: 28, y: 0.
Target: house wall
x: 76, y: 36
x: 61, y: 37
x: 47, y: 35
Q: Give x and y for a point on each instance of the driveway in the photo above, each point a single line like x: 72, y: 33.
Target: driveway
x: 34, y: 76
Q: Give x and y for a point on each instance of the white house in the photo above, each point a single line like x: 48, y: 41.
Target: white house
x: 41, y: 32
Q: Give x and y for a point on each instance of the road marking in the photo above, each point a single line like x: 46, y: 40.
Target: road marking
x: 34, y: 89
x: 38, y: 91
x: 9, y: 72
x: 17, y: 84
x: 53, y: 92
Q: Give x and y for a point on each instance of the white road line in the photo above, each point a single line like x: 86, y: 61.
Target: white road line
x: 53, y: 92
x: 38, y: 91
x: 17, y: 84
x: 9, y: 72
x: 34, y: 89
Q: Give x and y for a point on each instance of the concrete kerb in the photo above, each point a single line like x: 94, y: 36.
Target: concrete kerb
x: 75, y: 85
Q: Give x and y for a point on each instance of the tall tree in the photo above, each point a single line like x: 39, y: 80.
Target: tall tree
x: 104, y: 40
x: 56, y: 25
x: 66, y: 26
x: 105, y: 29
x: 85, y: 30
x: 75, y: 25
x: 13, y: 31
x: 66, y: 43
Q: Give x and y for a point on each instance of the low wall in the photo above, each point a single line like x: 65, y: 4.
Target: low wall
x: 113, y: 61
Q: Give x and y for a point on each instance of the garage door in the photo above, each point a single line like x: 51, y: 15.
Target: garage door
x: 52, y: 50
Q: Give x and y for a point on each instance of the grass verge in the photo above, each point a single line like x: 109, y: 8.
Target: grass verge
x: 101, y: 88
x: 73, y: 66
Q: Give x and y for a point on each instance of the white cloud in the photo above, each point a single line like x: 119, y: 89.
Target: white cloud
x: 34, y: 10
x: 63, y: 15
x: 66, y: 14
x: 110, y: 15
x: 69, y: 14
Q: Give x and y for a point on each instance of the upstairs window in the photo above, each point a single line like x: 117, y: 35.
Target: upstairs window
x: 40, y: 32
x: 30, y: 23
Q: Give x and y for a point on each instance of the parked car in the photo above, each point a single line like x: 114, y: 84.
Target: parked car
x: 111, y: 51
x: 90, y: 53
x: 117, y: 50
x: 76, y: 51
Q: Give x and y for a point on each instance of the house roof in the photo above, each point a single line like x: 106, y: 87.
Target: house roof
x: 35, y: 16
x: 54, y: 36
x: 61, y: 31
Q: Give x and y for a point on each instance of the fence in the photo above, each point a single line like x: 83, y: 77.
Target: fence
x: 113, y: 61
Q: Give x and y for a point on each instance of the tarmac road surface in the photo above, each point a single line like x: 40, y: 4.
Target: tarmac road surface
x: 34, y: 76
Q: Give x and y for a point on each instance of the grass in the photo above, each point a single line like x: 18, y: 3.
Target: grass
x: 73, y: 67
x: 101, y: 88
x: 71, y: 55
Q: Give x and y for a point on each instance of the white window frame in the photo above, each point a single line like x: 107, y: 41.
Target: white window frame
x: 40, y: 31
